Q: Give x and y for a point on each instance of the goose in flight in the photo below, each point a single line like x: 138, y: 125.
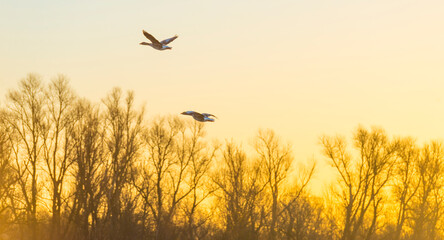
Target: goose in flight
x: 201, y: 117
x: 162, y: 45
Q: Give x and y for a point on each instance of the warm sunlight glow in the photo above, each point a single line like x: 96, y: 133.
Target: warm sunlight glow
x: 87, y: 115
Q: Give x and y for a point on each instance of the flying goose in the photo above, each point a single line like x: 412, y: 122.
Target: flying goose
x: 162, y: 45
x: 201, y: 117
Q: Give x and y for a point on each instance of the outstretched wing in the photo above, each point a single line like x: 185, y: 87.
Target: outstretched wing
x: 166, y: 41
x: 208, y: 115
x: 207, y: 119
x: 150, y: 37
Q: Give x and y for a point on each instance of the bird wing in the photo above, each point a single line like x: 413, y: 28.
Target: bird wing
x: 208, y: 115
x: 150, y: 37
x: 189, y: 112
x: 166, y: 41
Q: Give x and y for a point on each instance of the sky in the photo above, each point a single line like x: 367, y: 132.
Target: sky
x: 302, y: 68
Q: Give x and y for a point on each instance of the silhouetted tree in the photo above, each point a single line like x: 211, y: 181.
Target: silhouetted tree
x: 405, y: 184
x: 58, y: 145
x: 167, y: 177
x: 276, y: 159
x: 428, y: 203
x: 73, y: 169
x: 142, y: 180
x: 362, y: 181
x: 88, y: 171
x: 123, y: 127
x: 193, y: 152
x: 299, y: 217
x: 333, y: 213
x: 241, y: 187
x: 7, y: 178
x: 26, y: 116
x: 302, y: 219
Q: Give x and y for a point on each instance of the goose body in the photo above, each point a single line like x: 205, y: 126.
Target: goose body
x: 201, y: 117
x: 162, y: 45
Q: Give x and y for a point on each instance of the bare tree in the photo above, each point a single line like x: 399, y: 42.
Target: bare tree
x: 171, y: 155
x: 241, y: 187
x: 142, y: 178
x: 428, y: 203
x: 302, y: 219
x: 193, y: 152
x: 173, y: 178
x: 123, y: 127
x: 276, y: 159
x: 405, y: 184
x: 160, y: 141
x: 298, y: 215
x: 58, y: 145
x: 362, y: 181
x: 71, y: 169
x: 88, y: 173
x: 6, y: 174
x: 332, y: 212
x: 26, y: 116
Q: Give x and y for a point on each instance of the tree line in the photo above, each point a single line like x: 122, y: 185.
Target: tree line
x: 74, y: 169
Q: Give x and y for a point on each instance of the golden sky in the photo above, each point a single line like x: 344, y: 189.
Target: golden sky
x: 301, y: 68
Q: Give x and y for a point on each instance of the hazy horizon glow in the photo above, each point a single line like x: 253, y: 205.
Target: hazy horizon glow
x: 301, y: 68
